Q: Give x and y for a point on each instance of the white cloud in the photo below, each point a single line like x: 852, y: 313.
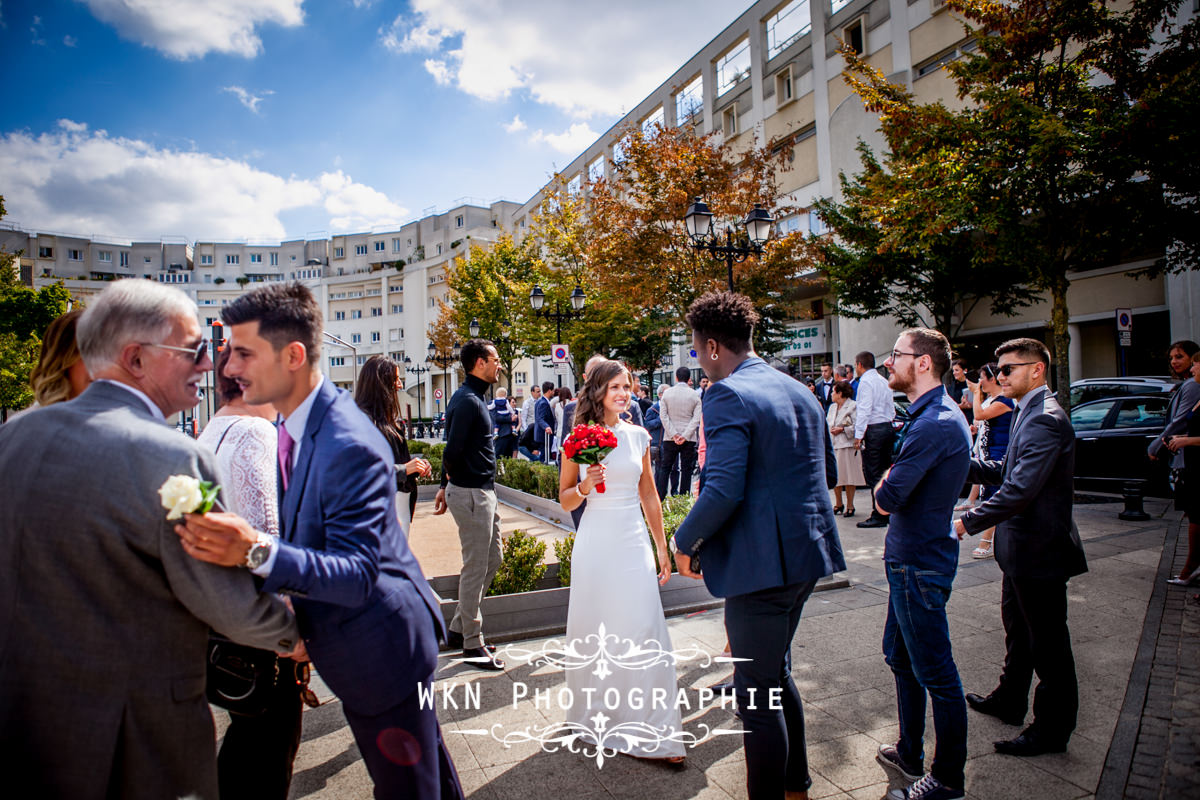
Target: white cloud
x: 516, y: 125
x: 187, y: 29
x: 246, y: 98
x: 582, y: 59
x: 70, y: 41
x: 87, y: 182
x: 36, y: 30
x: 572, y: 141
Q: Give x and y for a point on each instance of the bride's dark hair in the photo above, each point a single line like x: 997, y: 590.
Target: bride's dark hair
x: 590, y: 404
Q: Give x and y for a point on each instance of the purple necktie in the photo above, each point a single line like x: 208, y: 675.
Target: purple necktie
x: 286, y: 444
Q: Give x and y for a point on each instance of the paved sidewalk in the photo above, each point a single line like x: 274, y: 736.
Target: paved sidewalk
x: 847, y: 689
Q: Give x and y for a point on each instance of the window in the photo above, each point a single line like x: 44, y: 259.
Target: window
x: 941, y: 59
x: 433, y: 302
x: 855, y: 36
x: 205, y: 261
x: 789, y: 224
x: 733, y: 67
x: 375, y: 337
x: 356, y: 338
x: 397, y: 308
x: 395, y: 245
x: 655, y: 120
x: 230, y: 260
x: 690, y: 101
x: 360, y: 249
x: 125, y: 259
x: 458, y: 221
x: 1143, y: 413
x: 256, y: 258
x: 619, y: 150
x: 360, y: 360
x: 1091, y: 417
x: 104, y: 256
x: 575, y: 186
x: 439, y: 249
x: 784, y: 93
x: 787, y: 25
x: 595, y: 170
x: 380, y: 246
x: 397, y: 356
x: 520, y: 378
x: 75, y: 255
x: 376, y: 311
x: 729, y: 121
x: 816, y: 225
x: 339, y: 252
x: 275, y: 259
x: 395, y: 334
x: 837, y: 5
x: 45, y: 252
x: 208, y: 279
x: 339, y: 316
x: 337, y: 361
x: 356, y: 313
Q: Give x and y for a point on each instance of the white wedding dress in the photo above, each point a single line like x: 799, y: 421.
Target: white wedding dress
x: 615, y: 621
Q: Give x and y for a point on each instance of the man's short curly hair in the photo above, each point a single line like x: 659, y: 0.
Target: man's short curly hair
x: 727, y: 317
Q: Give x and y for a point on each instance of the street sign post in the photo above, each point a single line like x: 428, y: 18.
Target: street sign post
x: 560, y: 353
x: 1124, y: 336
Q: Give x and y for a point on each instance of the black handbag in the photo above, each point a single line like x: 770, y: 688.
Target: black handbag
x: 241, y: 679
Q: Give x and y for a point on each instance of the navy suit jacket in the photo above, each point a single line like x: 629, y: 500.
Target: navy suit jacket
x: 763, y: 518
x: 368, y: 617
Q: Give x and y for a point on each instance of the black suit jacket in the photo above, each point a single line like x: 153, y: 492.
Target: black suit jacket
x: 1036, y: 535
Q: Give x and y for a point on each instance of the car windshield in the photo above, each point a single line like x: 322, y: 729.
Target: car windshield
x: 1090, y: 417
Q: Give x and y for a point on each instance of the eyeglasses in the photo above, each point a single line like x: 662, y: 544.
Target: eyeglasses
x: 897, y: 353
x: 196, y: 352
x: 1007, y: 369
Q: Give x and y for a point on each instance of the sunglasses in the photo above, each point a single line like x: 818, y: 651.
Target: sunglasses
x: 196, y: 352
x: 1007, y: 369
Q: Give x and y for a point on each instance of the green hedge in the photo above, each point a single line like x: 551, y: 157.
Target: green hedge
x: 521, y: 566
x: 531, y: 477
x: 431, y: 453
x: 563, y: 548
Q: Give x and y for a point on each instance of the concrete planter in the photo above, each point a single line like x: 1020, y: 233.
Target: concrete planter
x: 547, y: 510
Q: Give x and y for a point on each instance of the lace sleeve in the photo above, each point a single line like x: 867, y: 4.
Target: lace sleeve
x: 249, y: 451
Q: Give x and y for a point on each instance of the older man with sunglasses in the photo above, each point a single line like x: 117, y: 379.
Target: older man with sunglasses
x: 1037, y: 547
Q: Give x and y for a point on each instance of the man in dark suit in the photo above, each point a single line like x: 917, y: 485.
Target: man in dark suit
x: 1038, y: 548
x: 367, y: 615
x: 825, y: 386
x: 543, y: 419
x: 762, y: 527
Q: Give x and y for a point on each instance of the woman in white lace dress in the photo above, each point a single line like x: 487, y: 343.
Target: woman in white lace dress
x: 614, y: 605
x: 257, y: 753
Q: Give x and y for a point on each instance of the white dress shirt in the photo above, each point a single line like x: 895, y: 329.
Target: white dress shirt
x: 874, y: 402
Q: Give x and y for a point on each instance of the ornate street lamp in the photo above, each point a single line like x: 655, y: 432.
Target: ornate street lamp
x: 417, y: 370
x: 474, y: 328
x: 699, y: 224
x: 537, y: 300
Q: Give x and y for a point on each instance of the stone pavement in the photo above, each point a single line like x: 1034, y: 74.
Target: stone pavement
x: 847, y: 689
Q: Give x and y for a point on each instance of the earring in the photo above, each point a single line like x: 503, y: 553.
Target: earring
x: 713, y: 356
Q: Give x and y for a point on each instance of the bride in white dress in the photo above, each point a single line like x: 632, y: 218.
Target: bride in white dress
x: 622, y: 703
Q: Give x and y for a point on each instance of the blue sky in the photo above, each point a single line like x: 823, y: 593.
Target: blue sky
x: 274, y: 119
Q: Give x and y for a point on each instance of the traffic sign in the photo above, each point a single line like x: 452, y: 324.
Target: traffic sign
x: 560, y: 353
x: 562, y: 369
x: 437, y: 394
x: 1124, y: 319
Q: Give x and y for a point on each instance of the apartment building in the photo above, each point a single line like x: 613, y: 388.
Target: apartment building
x: 774, y: 78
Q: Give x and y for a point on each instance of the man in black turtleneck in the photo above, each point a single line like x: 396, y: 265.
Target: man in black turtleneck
x: 468, y: 475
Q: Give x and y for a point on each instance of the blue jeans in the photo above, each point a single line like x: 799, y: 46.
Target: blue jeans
x: 916, y: 645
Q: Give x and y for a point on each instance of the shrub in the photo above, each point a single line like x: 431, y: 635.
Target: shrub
x: 528, y: 476
x: 521, y: 566
x: 563, y: 548
x: 675, y: 508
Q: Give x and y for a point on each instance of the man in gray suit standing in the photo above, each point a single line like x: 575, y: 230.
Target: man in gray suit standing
x: 104, y: 619
x: 1038, y: 549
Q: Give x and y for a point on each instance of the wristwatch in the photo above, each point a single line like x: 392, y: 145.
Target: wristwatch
x: 260, y: 551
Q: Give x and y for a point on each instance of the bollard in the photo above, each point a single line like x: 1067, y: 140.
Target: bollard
x: 1133, y: 512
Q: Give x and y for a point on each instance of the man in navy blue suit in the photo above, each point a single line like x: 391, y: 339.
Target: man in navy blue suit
x: 762, y: 529
x: 367, y: 616
x: 543, y: 420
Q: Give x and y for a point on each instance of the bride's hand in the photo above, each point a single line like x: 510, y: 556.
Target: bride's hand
x: 664, y: 566
x: 594, y: 475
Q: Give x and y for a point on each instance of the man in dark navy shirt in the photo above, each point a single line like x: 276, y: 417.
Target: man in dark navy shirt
x: 921, y: 557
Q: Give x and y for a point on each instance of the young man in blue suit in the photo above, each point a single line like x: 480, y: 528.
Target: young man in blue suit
x: 762, y: 531
x: 368, y: 618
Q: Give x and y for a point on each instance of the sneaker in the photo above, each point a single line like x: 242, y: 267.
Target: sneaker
x: 928, y: 788
x: 889, y: 758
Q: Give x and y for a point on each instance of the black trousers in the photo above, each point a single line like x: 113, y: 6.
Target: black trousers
x: 1036, y: 639
x: 257, y: 753
x: 877, y: 456
x: 686, y: 453
x: 760, y: 626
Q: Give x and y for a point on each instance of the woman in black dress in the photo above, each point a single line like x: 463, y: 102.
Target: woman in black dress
x: 1190, y: 444
x: 377, y: 395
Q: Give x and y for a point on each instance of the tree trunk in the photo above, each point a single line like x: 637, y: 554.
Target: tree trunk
x: 1060, y: 316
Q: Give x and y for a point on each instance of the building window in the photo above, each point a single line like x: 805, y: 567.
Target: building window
x: 356, y: 338
x: 397, y: 356
x: 356, y: 313
x: 520, y: 378
x: 784, y: 93
x: 575, y: 186
x: 104, y: 256
x: 45, y: 252
x: 375, y: 337
x: 816, y: 225
x: 256, y: 258
x: 339, y: 252
x: 376, y: 311
x: 275, y: 259
x: 690, y: 101
x: 360, y: 249
x: 433, y: 302
x: 397, y: 308
x: 439, y: 249
x: 395, y: 245
x: 787, y: 25
x: 339, y: 316
x: 595, y: 170
x: 655, y: 119
x: 361, y: 360
x: 395, y: 334
x: 729, y: 121
x: 733, y: 67
x: 380, y: 246
x: 789, y: 224
x: 337, y: 361
x: 208, y: 279
x: 75, y: 255
x: 855, y: 36
x: 206, y: 261
x: 125, y: 259
x: 944, y: 58
x: 458, y: 221
x: 837, y: 5
x: 231, y: 260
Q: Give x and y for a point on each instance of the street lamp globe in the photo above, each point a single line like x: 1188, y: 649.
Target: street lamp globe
x: 537, y: 298
x: 432, y: 350
x: 578, y: 298
x: 474, y: 328
x: 758, y: 224
x: 456, y: 351
x: 698, y: 220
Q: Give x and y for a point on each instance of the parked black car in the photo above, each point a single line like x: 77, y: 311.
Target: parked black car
x: 1111, y: 436
x: 1089, y: 389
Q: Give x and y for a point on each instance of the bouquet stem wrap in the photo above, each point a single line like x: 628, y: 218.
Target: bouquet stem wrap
x: 589, y: 444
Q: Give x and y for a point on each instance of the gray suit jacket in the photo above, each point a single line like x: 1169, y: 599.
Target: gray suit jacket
x: 103, y: 618
x: 1186, y: 395
x: 1036, y: 535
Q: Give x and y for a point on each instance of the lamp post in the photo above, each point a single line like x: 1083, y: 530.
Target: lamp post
x: 699, y: 222
x: 444, y: 359
x: 537, y: 299
x: 417, y: 370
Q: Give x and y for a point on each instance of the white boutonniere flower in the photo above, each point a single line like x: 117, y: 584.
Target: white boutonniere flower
x: 183, y: 494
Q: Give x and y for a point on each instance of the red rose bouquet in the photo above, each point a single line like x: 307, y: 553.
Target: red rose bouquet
x: 589, y: 444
